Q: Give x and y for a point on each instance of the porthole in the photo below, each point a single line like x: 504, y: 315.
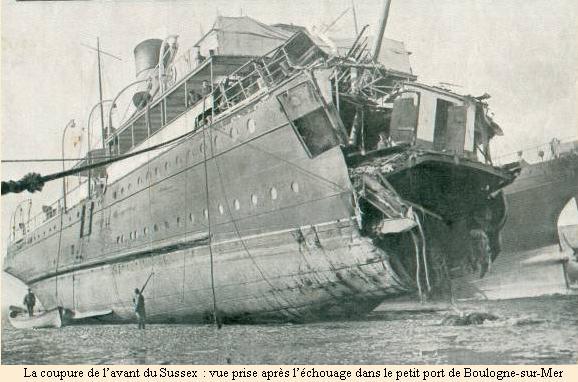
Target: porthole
x: 191, y: 218
x: 118, y: 239
x: 202, y: 147
x: 114, y: 195
x: 206, y: 213
x: 221, y: 209
x: 130, y: 235
x: 155, y: 227
x: 145, y: 231
x: 121, y: 191
x: 139, y: 181
x: 251, y: 125
x: 177, y: 160
x: 237, y: 204
x: 234, y: 133
x: 78, y: 214
x: 254, y: 199
x: 156, y: 171
x: 135, y: 235
x: 122, y: 238
x: 178, y: 221
x: 166, y: 166
x: 167, y: 226
x: 129, y: 186
x: 295, y: 187
x: 273, y: 193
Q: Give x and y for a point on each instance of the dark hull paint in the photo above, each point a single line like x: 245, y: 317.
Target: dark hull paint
x: 535, y: 200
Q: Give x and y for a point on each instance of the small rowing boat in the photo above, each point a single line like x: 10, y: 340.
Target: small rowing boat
x: 20, y: 319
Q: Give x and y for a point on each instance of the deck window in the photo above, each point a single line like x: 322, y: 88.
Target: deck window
x: 125, y: 140
x: 175, y: 103
x: 156, y: 117
x: 140, y: 129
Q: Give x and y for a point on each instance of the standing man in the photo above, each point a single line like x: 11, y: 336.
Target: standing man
x: 30, y: 301
x: 139, y: 308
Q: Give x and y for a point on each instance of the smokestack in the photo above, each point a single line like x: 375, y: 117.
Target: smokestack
x: 146, y: 55
x: 382, y: 24
x: 146, y: 58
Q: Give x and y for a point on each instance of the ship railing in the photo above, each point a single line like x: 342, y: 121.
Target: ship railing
x: 540, y: 153
x: 27, y: 230
x: 251, y: 78
x: 244, y: 83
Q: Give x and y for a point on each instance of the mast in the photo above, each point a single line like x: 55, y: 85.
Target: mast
x: 382, y: 23
x: 354, y: 18
x: 99, y: 94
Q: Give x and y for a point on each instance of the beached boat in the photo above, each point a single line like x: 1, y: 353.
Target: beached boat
x: 273, y: 175
x: 20, y: 319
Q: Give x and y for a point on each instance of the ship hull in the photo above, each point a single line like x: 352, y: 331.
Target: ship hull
x: 535, y: 201
x: 249, y: 214
x: 312, y: 273
x: 520, y: 274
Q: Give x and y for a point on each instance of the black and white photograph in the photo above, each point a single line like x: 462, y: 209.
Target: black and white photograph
x: 275, y: 182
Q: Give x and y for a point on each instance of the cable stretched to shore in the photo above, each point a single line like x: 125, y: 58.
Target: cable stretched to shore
x: 34, y: 182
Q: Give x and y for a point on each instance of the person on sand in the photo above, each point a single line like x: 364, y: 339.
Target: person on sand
x: 139, y: 308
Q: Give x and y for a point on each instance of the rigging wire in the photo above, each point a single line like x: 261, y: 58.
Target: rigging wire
x: 58, y: 257
x: 210, y: 244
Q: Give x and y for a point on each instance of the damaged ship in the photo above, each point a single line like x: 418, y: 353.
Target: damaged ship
x: 279, y: 176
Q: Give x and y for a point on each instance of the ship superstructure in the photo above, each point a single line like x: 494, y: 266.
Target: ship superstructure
x: 279, y: 178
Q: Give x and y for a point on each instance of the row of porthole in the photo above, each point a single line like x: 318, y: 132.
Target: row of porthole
x: 135, y: 235
x: 233, y: 134
x: 251, y: 127
x: 178, y: 161
x: 35, y: 237
x: 273, y: 193
x: 236, y: 204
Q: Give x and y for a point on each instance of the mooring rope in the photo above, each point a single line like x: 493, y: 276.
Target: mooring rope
x: 34, y: 182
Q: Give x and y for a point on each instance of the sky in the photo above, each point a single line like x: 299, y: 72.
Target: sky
x: 522, y: 52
